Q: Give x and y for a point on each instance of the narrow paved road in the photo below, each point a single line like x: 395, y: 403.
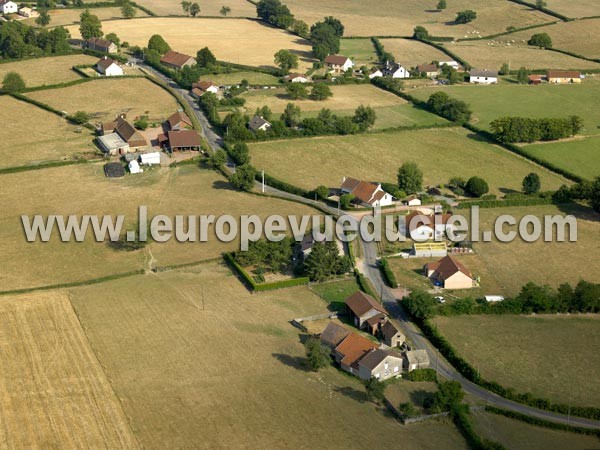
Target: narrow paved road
x: 371, y: 271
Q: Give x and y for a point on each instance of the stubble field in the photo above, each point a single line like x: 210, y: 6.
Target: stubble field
x: 239, y: 8
x: 62, y: 17
x: 411, y: 53
x: 581, y: 8
x: 53, y: 391
x: 46, y: 71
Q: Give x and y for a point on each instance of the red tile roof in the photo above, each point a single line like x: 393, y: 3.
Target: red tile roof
x: 179, y: 118
x: 354, y: 348
x: 563, y: 74
x: 183, y: 139
x: 175, y: 58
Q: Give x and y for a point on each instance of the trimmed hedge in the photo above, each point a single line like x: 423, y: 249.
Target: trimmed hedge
x: 143, y: 8
x: 259, y: 287
x: 422, y: 375
x: 533, y: 201
x: 36, y: 103
x: 460, y: 416
x: 540, y: 422
x: 363, y: 284
x: 575, y: 55
x: 388, y: 275
x: 544, y: 10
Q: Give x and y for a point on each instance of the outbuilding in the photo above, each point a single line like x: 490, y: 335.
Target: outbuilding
x: 134, y: 167
x: 150, y: 159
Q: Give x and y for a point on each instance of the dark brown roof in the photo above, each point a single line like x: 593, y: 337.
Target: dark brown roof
x: 361, y: 303
x: 183, y: 139
x: 372, y: 321
x: 175, y: 58
x: 128, y: 133
x: 353, y: 348
x: 179, y: 118
x: 291, y: 76
x: 197, y: 91
x: 448, y: 266
x: 337, y: 60
x: 363, y: 191
x: 563, y: 74
x: 376, y: 357
x: 204, y: 85
x: 333, y: 334
x: 98, y: 43
x: 105, y: 62
x: 427, y: 68
x: 389, y: 330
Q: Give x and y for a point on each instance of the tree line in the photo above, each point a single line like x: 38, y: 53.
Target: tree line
x: 526, y: 129
x: 21, y: 41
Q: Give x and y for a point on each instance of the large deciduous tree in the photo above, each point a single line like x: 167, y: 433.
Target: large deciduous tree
x: 410, y: 178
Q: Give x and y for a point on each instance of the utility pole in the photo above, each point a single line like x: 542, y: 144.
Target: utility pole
x: 263, y: 181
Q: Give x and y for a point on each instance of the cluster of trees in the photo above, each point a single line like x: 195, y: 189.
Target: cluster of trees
x: 541, y: 40
x: 475, y: 186
x: 192, y: 8
x: 421, y: 33
x: 267, y: 255
x: 325, y: 261
x: 325, y: 37
x: 275, y: 13
x: 90, y: 25
x: 286, y: 60
x: 299, y: 91
x: 410, y: 178
x: 465, y: 16
x: 452, y: 109
x: 20, y: 41
x: 525, y: 129
x: 585, y: 190
x: 13, y: 82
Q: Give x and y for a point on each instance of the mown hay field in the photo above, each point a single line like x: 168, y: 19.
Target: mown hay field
x: 491, y: 102
x: 492, y: 54
x: 45, y: 71
x: 393, y: 18
x: 553, y: 357
x: 53, y: 391
x: 579, y: 36
x: 581, y: 8
x: 579, y: 156
x: 83, y: 189
x: 253, y: 78
x: 51, y: 137
x: 193, y: 348
x: 237, y: 41
x: 518, y: 435
x: 440, y: 153
x: 62, y: 17
x: 239, y: 8
x: 361, y: 51
x: 411, y: 53
x: 104, y: 99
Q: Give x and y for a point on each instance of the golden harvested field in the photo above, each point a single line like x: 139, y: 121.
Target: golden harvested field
x: 230, y: 367
x: 410, y: 53
x: 325, y: 160
x: 52, y: 138
x: 60, y: 17
x: 516, y: 263
x: 51, y: 70
x: 53, y: 391
x: 518, y: 435
x: 83, y: 189
x: 492, y: 54
x: 105, y: 98
x: 580, y: 36
x: 234, y: 40
x: 398, y: 18
x: 527, y: 352
x: 581, y: 8
x: 239, y: 8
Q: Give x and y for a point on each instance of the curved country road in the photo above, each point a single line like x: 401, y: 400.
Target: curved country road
x: 371, y: 271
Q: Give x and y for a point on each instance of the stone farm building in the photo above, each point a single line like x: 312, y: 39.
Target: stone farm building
x: 563, y: 76
x: 338, y: 63
x: 365, y: 311
x: 416, y: 359
x: 391, y: 336
x: 119, y: 137
x: 430, y: 70
x: 449, y: 273
x: 109, y: 67
x: 179, y: 121
x: 365, y: 193
x: 176, y: 60
x: 380, y: 364
x: 101, y: 45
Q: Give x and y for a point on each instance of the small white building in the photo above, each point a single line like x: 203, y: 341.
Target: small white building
x: 28, y: 12
x: 296, y: 78
x: 109, y: 67
x: 150, y: 159
x: 422, y: 227
x: 455, y: 65
x: 494, y: 298
x: 8, y: 7
x: 483, y: 76
x: 134, y: 167
x: 416, y: 359
x: 413, y: 200
x: 395, y: 70
x: 375, y: 73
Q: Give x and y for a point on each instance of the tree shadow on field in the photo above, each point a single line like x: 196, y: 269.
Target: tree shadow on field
x: 508, y: 191
x: 223, y: 185
x: 477, y: 137
x: 352, y: 393
x: 418, y: 397
x: 296, y: 362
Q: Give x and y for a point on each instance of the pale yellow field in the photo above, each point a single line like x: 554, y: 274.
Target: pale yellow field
x: 239, y: 8
x: 347, y: 97
x: 238, y: 41
x: 398, y: 18
x: 60, y: 17
x: 491, y: 55
x: 410, y: 53
x: 580, y: 36
x: 581, y: 8
x: 199, y: 362
x: 53, y: 391
x: 44, y: 71
x: 105, y: 98
x: 52, y: 138
x: 83, y: 189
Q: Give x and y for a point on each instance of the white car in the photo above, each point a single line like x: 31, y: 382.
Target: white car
x: 440, y: 300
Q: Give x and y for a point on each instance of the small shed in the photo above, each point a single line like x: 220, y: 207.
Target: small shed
x: 134, y: 167
x: 114, y: 170
x: 150, y: 159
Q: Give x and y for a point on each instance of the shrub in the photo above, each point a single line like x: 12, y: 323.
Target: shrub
x: 541, y: 40
x: 477, y: 186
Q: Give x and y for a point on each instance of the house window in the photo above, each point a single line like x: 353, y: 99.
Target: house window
x: 377, y: 375
x: 396, y: 369
x: 385, y: 365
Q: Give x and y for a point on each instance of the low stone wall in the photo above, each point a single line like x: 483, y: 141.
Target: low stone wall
x: 298, y: 322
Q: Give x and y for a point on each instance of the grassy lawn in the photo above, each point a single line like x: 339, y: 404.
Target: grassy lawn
x: 491, y: 102
x: 163, y: 349
x: 393, y: 18
x: 552, y: 357
x: 414, y: 392
x: 326, y: 160
x: 518, y: 435
x: 61, y: 17
x: 53, y: 391
x: 580, y: 156
x: 411, y: 53
x: 513, y: 48
x: 335, y: 293
x: 51, y: 70
x: 236, y: 78
x: 83, y: 189
x: 111, y: 97
x: 236, y: 40
x: 361, y: 51
x: 51, y: 139
x: 239, y: 8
